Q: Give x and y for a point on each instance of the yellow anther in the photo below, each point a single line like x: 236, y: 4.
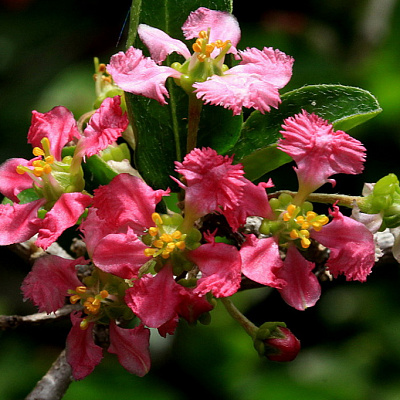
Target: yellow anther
x: 201, y: 57
x: 177, y: 235
x: 158, y: 243
x: 170, y: 247
x: 104, y: 294
x: 157, y: 218
x: 203, y: 35
x: 20, y: 169
x: 102, y: 67
x: 149, y: 252
x: 37, y: 163
x: 196, y: 48
x: 294, y: 234
x: 38, y: 171
x: 49, y: 159
x: 165, y: 254
x: 210, y: 47
x: 165, y: 237
x: 47, y: 168
x: 153, y: 231
x: 80, y: 289
x: 180, y: 245
x: 310, y: 215
x: 96, y: 302
x: 305, y: 243
x: 84, y: 324
x: 74, y: 299
x: 37, y: 151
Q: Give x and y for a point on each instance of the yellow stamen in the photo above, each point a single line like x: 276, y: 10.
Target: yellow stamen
x: 180, y: 245
x: 165, y: 254
x: 149, y: 252
x: 203, y: 35
x: 46, y: 168
x: 49, y: 159
x: 153, y: 231
x: 20, y: 169
x: 74, y: 299
x: 37, y: 151
x: 196, y: 48
x: 38, y: 171
x: 177, y: 235
x: 81, y: 289
x: 156, y: 218
x: 84, y: 324
x: 158, y: 243
x: 165, y: 237
x: 104, y: 294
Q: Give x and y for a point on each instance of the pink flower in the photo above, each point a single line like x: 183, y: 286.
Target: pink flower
x: 52, y: 279
x: 57, y: 183
x: 352, y: 253
x: 130, y: 346
x: 254, y: 83
x: 214, y: 184
x: 319, y: 151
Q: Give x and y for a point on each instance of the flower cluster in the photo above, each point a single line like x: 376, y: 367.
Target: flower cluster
x: 148, y: 267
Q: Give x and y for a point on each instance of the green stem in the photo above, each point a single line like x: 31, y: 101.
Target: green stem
x: 247, y: 325
x: 343, y: 200
x: 195, y: 106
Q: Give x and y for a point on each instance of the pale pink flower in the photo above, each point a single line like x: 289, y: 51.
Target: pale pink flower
x: 254, y: 83
x: 319, y: 151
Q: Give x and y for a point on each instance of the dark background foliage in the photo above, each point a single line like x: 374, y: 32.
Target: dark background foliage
x: 350, y: 339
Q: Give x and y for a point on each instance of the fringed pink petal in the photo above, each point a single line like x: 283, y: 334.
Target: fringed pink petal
x: 11, y: 183
x: 104, y: 127
x: 137, y: 74
x: 223, y: 26
x: 160, y: 44
x: 351, y: 245
x: 64, y: 214
x: 131, y: 347
x: 48, y: 282
x: 58, y: 125
x: 302, y: 289
x: 19, y: 222
x: 82, y: 353
x: 261, y: 261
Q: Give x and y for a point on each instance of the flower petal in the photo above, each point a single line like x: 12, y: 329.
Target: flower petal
x: 319, y: 151
x: 11, y: 183
x: 132, y: 348
x: 64, y: 214
x: 160, y: 44
x: 58, y: 125
x: 19, y: 222
x: 303, y: 289
x: 127, y: 200
x: 82, y: 353
x: 48, y: 282
x: 105, y: 126
x: 211, y: 182
x: 154, y: 298
x: 223, y: 26
x: 261, y: 261
x: 120, y: 254
x: 351, y: 245
x: 137, y: 74
x: 220, y: 267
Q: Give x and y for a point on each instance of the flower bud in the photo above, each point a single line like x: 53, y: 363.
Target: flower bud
x: 276, y: 342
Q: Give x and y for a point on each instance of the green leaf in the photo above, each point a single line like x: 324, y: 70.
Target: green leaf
x: 343, y: 106
x: 161, y: 131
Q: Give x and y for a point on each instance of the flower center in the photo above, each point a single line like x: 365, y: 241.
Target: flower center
x: 204, y: 49
x: 300, y: 225
x: 164, y: 239
x: 41, y: 166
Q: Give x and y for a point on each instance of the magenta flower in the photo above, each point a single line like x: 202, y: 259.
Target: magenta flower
x: 352, y: 253
x: 254, y: 83
x: 57, y: 183
x: 53, y: 278
x: 214, y: 184
x: 319, y: 151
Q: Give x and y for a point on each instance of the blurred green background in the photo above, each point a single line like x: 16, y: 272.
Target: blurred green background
x: 350, y: 339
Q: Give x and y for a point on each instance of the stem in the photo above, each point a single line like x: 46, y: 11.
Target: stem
x: 247, y: 325
x: 195, y: 106
x: 343, y: 200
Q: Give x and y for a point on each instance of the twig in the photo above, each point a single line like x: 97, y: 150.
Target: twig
x: 12, y: 321
x: 55, y: 383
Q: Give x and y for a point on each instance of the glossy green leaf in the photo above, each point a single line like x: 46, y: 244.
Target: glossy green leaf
x: 161, y: 131
x: 343, y: 106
